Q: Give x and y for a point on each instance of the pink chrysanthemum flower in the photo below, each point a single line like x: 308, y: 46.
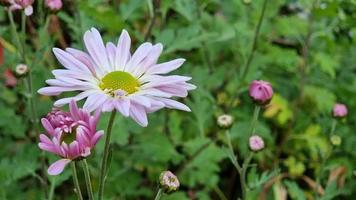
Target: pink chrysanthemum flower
x: 72, y: 135
x: 339, y: 110
x: 26, y: 5
x: 109, y: 77
x: 54, y: 4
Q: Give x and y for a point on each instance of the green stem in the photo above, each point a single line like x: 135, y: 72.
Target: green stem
x: 255, y: 40
x: 243, y: 175
x: 323, y: 161
x: 333, y: 127
x: 105, y: 157
x: 233, y: 157
x: 159, y: 194
x: 256, y: 112
x: 51, y: 189
x: 14, y: 31
x: 75, y: 180
x: 247, y: 160
x: 23, y: 35
x: 87, y: 179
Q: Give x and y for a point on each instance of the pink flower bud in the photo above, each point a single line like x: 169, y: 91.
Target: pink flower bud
x: 54, y: 4
x: 168, y: 181
x: 256, y: 143
x: 26, y: 5
x: 261, y: 92
x: 339, y: 110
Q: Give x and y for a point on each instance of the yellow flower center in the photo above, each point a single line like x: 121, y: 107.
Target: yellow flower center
x: 119, y: 80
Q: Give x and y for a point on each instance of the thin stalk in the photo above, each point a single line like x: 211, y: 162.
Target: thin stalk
x: 219, y: 193
x: 233, y: 157
x: 14, y: 30
x: 256, y: 112
x: 255, y: 40
x: 87, y: 179
x: 75, y: 180
x: 323, y: 160
x: 105, y: 157
x: 155, y: 4
x: 333, y: 127
x: 243, y: 175
x: 159, y: 194
x: 51, y: 189
x: 23, y: 35
x: 247, y: 160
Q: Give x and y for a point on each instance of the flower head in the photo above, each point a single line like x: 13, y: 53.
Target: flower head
x: 21, y: 69
x: 256, y: 143
x: 26, y: 5
x: 109, y: 77
x: 70, y: 135
x: 54, y: 4
x: 261, y: 92
x: 225, y: 121
x: 168, y: 181
x: 339, y: 110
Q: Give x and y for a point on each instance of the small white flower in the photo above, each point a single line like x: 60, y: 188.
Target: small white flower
x: 21, y: 69
x: 225, y: 121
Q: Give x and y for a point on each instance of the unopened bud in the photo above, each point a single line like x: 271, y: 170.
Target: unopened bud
x: 21, y: 69
x: 261, y: 92
x: 168, y: 181
x: 339, y: 110
x: 256, y: 143
x: 335, y: 140
x: 225, y: 121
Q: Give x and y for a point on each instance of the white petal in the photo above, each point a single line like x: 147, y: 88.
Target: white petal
x: 138, y: 56
x: 123, y: 51
x: 95, y: 46
x: 166, y: 67
x: 138, y: 113
x: 123, y: 106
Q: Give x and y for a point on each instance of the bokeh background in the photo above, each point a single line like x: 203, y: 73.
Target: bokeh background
x: 305, y: 48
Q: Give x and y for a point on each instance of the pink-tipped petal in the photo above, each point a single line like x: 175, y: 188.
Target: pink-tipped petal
x: 58, y: 167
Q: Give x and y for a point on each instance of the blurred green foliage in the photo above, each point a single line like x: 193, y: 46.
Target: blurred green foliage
x: 305, y: 49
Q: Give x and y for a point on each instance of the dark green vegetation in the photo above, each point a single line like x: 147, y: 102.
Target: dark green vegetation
x: 305, y: 48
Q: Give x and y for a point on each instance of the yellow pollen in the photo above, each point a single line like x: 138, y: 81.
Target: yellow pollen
x: 119, y: 80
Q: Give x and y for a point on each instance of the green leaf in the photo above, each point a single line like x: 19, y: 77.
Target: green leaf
x: 295, y: 192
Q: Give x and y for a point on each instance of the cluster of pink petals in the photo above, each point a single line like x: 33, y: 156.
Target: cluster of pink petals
x: 77, y: 124
x: 256, y: 143
x: 26, y: 5
x: 261, y: 92
x: 169, y: 181
x: 54, y: 4
x: 339, y: 110
x: 84, y: 72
